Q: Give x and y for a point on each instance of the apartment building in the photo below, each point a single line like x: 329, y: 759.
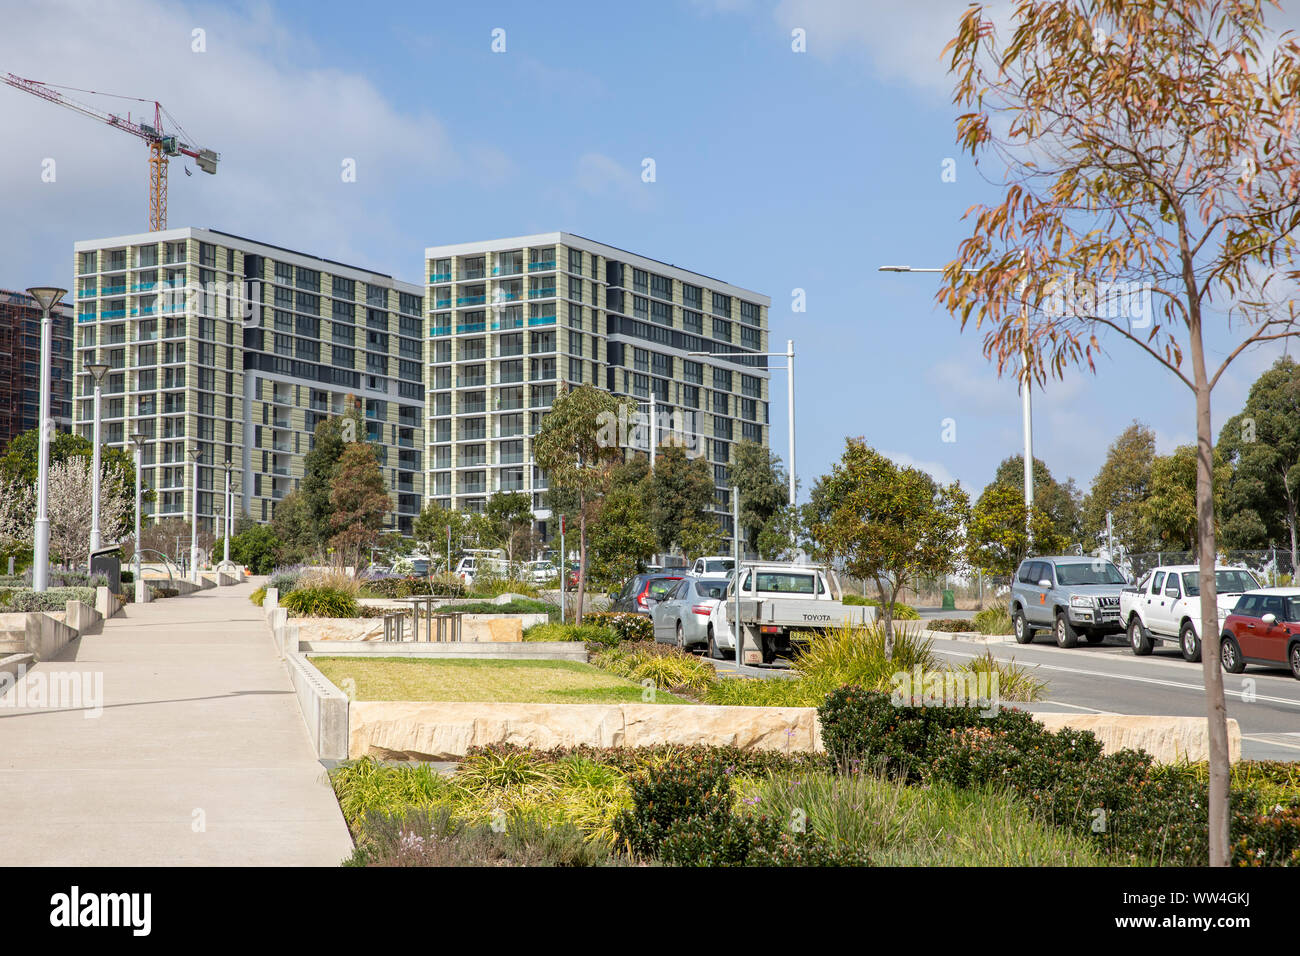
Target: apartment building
x: 20, y: 363
x: 512, y: 321
x: 238, y: 348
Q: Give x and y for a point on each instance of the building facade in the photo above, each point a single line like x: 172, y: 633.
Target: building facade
x: 512, y: 321
x: 20, y: 363
x: 238, y: 349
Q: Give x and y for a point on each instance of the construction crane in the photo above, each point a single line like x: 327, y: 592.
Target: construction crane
x: 162, y: 146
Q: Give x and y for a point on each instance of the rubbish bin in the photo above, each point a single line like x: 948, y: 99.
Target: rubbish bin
x: 949, y: 600
x: 108, y: 562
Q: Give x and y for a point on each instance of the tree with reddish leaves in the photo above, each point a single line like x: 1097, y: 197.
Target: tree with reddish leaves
x: 1148, y: 149
x: 360, y: 501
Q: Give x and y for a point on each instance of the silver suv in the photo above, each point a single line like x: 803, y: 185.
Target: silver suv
x: 1071, y: 595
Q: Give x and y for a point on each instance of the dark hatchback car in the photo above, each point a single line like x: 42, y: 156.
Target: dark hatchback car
x: 643, y: 592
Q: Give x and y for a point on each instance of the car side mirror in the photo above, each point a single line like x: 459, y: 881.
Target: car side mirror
x: 1044, y: 583
x: 1269, y: 619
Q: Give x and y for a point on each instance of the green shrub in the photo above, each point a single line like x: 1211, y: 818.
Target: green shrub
x: 491, y: 585
x: 320, y: 602
x: 53, y: 599
x: 950, y: 625
x: 993, y: 621
x: 1136, y: 812
x: 626, y: 625
x: 763, y: 692
x: 284, y: 581
x: 442, y: 585
x: 902, y: 612
x: 856, y: 655
x: 517, y: 606
x: 682, y: 815
x: 555, y: 631
x: 258, y: 596
x: 164, y: 592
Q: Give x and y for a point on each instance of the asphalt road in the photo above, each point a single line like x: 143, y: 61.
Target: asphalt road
x: 1107, y: 678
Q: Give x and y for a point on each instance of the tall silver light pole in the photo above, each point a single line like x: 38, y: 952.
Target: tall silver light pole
x: 788, y: 355
x: 138, y: 439
x: 46, y: 297
x: 195, y: 455
x: 97, y: 371
x: 225, y: 559
x: 1026, y: 410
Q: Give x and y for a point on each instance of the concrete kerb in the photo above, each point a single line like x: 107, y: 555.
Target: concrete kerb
x: 83, y: 618
x: 143, y: 593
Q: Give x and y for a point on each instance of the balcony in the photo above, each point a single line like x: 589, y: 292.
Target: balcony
x: 541, y: 266
x: 87, y: 293
x: 541, y: 320
x: 471, y: 274
x: 471, y: 299
x: 547, y: 293
x: 440, y: 277
x: 442, y: 303
x: 281, y: 446
x: 471, y: 327
x: 437, y: 330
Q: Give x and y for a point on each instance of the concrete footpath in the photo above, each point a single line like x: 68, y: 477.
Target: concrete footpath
x: 200, y: 756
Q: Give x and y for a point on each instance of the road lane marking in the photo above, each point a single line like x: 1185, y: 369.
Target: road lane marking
x: 1142, y: 680
x: 1266, y: 739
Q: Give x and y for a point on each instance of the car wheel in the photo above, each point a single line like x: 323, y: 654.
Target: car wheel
x: 1190, y: 643
x: 715, y: 652
x: 1138, y: 638
x: 1066, y: 635
x: 1230, y: 655
x: 681, y: 638
x: 1294, y: 658
x: 1024, y: 633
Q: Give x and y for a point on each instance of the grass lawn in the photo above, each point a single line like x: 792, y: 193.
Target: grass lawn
x: 559, y: 682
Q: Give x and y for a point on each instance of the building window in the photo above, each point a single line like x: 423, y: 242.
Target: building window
x: 721, y: 304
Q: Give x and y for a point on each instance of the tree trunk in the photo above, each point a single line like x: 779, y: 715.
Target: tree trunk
x: 886, y: 616
x: 582, y: 560
x: 1216, y: 710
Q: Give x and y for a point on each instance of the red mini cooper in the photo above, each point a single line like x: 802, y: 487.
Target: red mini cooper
x: 1264, y: 628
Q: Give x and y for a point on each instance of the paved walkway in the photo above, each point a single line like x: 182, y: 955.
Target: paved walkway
x: 199, y: 757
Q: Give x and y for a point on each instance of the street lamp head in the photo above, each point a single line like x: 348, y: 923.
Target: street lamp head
x: 47, y: 297
x: 96, y: 370
x: 138, y: 439
x: 194, y: 454
x: 894, y: 269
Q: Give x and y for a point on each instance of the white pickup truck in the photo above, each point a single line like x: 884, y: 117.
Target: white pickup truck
x: 1166, y: 606
x: 779, y: 603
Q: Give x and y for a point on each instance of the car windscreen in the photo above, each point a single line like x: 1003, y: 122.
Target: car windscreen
x: 1088, y: 572
x: 713, y: 590
x: 786, y: 582
x: 717, y: 567
x: 1232, y: 581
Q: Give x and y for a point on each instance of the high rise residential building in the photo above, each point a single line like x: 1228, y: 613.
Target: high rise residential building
x: 239, y: 348
x: 20, y: 363
x: 512, y: 321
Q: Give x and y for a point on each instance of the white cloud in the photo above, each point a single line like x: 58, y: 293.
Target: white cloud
x: 936, y: 470
x: 284, y: 128
x: 601, y: 177
x: 903, y: 41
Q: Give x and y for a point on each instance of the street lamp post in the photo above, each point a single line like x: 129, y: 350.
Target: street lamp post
x: 195, y: 455
x: 788, y: 355
x: 225, y: 557
x: 138, y: 439
x: 1026, y: 410
x: 46, y: 297
x: 97, y: 371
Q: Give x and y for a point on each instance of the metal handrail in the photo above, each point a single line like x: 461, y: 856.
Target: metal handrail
x: 167, y: 562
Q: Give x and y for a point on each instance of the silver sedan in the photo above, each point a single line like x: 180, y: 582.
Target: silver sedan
x: 689, y: 615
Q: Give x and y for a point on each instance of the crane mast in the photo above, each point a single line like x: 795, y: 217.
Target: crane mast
x: 162, y: 146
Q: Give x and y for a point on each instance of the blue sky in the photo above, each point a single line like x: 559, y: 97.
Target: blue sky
x: 775, y: 170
